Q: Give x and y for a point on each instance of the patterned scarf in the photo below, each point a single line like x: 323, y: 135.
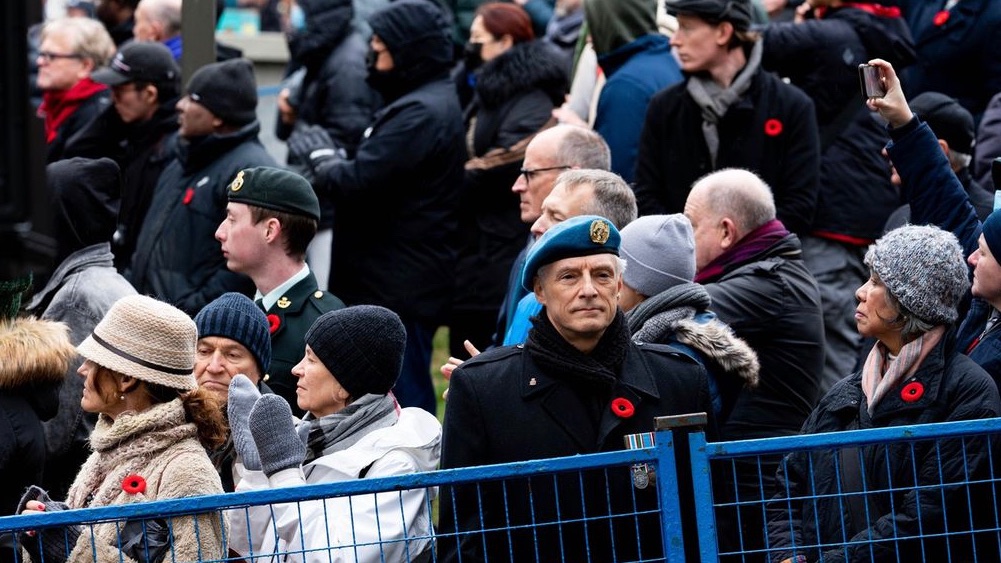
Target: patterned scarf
x: 343, y: 429
x: 878, y: 377
x: 58, y: 105
x: 715, y: 101
x: 755, y: 242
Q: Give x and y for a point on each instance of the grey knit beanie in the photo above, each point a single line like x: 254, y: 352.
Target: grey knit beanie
x: 362, y: 346
x: 659, y: 252
x: 233, y: 315
x: 924, y: 269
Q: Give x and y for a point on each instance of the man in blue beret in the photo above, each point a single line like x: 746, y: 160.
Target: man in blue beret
x: 578, y: 385
x: 271, y: 217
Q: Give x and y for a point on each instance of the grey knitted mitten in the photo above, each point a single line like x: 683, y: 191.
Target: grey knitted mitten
x: 242, y: 396
x: 274, y: 433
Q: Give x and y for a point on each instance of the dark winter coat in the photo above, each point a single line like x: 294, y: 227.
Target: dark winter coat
x: 29, y: 395
x: 397, y: 200
x: 77, y: 121
x: 821, y: 56
x: 634, y: 73
x: 954, y: 388
x: 673, y: 153
x: 981, y: 199
x: 142, y: 151
x: 177, y: 258
x: 515, y: 96
x: 961, y: 57
x: 988, y: 145
x: 333, y: 93
x: 502, y: 408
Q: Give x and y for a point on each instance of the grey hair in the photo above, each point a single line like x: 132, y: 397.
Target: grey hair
x: 740, y: 195
x: 959, y: 160
x: 582, y: 148
x: 167, y: 13
x: 911, y: 327
x: 613, y: 198
x: 620, y: 268
x: 87, y: 38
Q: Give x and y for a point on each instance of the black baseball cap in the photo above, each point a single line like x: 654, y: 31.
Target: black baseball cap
x: 140, y: 61
x: 947, y: 118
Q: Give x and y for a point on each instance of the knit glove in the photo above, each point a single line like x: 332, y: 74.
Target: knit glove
x: 51, y: 545
x: 274, y: 433
x: 313, y: 146
x: 243, y: 395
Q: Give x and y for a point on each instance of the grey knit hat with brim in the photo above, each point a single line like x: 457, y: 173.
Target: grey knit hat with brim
x: 145, y: 339
x: 924, y: 269
x: 361, y: 346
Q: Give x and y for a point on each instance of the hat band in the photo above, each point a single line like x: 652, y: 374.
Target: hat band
x: 140, y: 361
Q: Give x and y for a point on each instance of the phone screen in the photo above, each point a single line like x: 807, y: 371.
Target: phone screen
x: 870, y: 81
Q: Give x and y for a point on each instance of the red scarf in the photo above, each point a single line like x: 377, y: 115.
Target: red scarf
x: 58, y: 105
x: 874, y: 9
x: 755, y: 242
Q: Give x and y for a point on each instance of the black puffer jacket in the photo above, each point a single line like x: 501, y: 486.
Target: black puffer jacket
x: 333, y: 93
x: 397, y: 201
x: 177, y: 258
x: 515, y: 96
x: 954, y: 388
x: 821, y: 57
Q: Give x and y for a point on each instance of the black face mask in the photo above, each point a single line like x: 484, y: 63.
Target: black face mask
x: 472, y: 54
x: 370, y: 58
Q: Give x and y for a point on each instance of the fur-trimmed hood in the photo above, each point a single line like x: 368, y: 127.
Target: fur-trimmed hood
x: 533, y: 64
x: 35, y: 353
x: 718, y: 344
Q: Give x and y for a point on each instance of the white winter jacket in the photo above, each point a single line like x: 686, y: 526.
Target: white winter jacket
x: 390, y: 527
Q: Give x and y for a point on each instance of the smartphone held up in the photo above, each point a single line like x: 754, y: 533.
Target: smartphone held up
x: 871, y: 81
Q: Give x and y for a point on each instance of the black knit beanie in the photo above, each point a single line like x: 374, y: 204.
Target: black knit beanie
x: 227, y: 89
x: 234, y: 316
x: 362, y: 346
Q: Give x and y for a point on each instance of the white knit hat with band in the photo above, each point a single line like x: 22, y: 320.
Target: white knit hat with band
x: 145, y: 339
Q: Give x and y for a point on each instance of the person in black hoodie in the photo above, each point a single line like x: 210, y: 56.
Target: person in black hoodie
x: 327, y: 76
x: 820, y: 55
x: 397, y: 199
x: 518, y: 82
x: 138, y: 132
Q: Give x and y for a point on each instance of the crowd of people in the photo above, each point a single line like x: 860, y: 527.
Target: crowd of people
x: 634, y: 208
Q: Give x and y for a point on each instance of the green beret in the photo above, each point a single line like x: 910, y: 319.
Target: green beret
x: 584, y: 235
x: 275, y: 188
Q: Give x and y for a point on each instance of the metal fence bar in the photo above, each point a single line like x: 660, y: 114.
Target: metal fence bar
x: 702, y: 485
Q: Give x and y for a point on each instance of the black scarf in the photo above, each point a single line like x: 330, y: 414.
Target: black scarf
x: 598, y: 371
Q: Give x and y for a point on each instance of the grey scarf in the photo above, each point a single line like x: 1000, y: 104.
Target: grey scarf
x: 715, y: 101
x: 658, y: 315
x: 343, y: 429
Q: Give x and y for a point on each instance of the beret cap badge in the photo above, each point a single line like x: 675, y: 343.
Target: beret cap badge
x: 237, y: 182
x: 599, y: 231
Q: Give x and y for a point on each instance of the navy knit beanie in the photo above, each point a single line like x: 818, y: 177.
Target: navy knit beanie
x: 992, y: 233
x: 234, y: 316
x: 362, y: 346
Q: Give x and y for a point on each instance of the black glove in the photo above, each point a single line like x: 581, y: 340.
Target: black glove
x: 312, y: 145
x: 52, y: 545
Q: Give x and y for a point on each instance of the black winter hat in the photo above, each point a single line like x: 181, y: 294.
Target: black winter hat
x: 85, y: 199
x: 414, y: 31
x: 275, y: 188
x: 362, y: 346
x: 233, y: 315
x: 227, y: 89
x: 737, y: 12
x: 949, y: 120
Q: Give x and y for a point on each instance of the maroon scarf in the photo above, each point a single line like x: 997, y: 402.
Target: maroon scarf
x: 874, y: 9
x: 757, y: 241
x: 58, y: 105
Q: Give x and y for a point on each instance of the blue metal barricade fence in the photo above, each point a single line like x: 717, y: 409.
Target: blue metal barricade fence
x: 916, y: 493
x: 903, y: 494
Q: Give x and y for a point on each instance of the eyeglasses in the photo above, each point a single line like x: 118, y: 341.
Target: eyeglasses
x: 48, y: 56
x: 530, y: 173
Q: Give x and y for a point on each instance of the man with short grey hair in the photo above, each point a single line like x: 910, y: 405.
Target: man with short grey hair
x: 752, y: 268
x: 159, y: 21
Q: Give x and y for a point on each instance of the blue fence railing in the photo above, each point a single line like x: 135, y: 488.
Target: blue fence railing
x: 916, y: 493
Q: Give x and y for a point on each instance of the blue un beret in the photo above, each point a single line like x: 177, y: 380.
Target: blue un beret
x: 584, y: 235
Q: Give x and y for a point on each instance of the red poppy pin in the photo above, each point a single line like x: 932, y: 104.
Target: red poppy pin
x: 189, y: 194
x: 623, y: 408
x: 912, y: 392
x: 773, y: 127
x: 134, y: 484
x: 940, y: 18
x: 273, y: 323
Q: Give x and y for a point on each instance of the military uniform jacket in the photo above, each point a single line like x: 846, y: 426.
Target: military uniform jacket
x: 289, y: 319
x: 503, y: 408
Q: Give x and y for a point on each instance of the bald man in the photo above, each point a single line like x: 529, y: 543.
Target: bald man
x: 753, y: 269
